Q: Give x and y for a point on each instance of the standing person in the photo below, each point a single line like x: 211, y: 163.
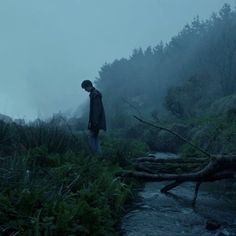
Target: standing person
x: 97, y: 120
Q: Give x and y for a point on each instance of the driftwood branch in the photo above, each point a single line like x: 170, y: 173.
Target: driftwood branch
x: 174, y: 133
x: 171, y: 186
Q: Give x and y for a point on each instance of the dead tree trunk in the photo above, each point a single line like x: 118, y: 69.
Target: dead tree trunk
x: 218, y: 167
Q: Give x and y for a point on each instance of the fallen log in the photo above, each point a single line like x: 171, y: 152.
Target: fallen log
x: 219, y: 167
x: 170, y: 160
x: 166, y: 167
x: 216, y: 163
x: 180, y: 178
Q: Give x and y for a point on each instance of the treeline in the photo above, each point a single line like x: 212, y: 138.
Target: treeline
x: 180, y: 79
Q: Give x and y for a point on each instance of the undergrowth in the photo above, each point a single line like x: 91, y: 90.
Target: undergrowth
x: 50, y: 184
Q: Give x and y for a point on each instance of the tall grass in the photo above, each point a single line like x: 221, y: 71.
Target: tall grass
x: 51, y: 185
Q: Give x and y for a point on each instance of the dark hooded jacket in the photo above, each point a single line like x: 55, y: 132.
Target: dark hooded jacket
x: 97, y: 118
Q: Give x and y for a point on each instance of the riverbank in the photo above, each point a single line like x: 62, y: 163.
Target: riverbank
x: 171, y: 214
x: 154, y: 213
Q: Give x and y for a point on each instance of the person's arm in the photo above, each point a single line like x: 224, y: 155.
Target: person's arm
x: 97, y: 109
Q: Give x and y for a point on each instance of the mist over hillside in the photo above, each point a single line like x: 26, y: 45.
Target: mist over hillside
x: 181, y: 78
x: 47, y: 48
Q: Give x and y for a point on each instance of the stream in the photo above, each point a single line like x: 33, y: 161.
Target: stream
x: 157, y: 214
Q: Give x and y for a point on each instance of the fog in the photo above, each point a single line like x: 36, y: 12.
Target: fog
x: 48, y: 47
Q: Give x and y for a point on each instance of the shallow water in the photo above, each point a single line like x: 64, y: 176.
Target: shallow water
x: 171, y: 214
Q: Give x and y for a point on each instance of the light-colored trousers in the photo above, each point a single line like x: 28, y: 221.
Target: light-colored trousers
x: 94, y: 142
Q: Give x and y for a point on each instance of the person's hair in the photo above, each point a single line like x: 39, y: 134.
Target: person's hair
x: 86, y: 83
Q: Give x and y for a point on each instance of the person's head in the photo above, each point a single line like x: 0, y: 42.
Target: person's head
x: 87, y: 85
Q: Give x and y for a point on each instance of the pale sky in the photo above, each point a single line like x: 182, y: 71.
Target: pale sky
x: 47, y: 47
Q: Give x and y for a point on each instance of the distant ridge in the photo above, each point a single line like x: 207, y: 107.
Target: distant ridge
x: 6, y: 118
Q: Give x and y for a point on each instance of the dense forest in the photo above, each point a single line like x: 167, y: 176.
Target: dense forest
x: 187, y: 80
x: 185, y: 76
x: 51, y: 184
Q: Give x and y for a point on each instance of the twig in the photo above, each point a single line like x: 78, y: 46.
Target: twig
x: 68, y: 188
x: 132, y: 106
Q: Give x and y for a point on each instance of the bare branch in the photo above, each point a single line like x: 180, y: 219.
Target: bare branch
x: 172, y: 132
